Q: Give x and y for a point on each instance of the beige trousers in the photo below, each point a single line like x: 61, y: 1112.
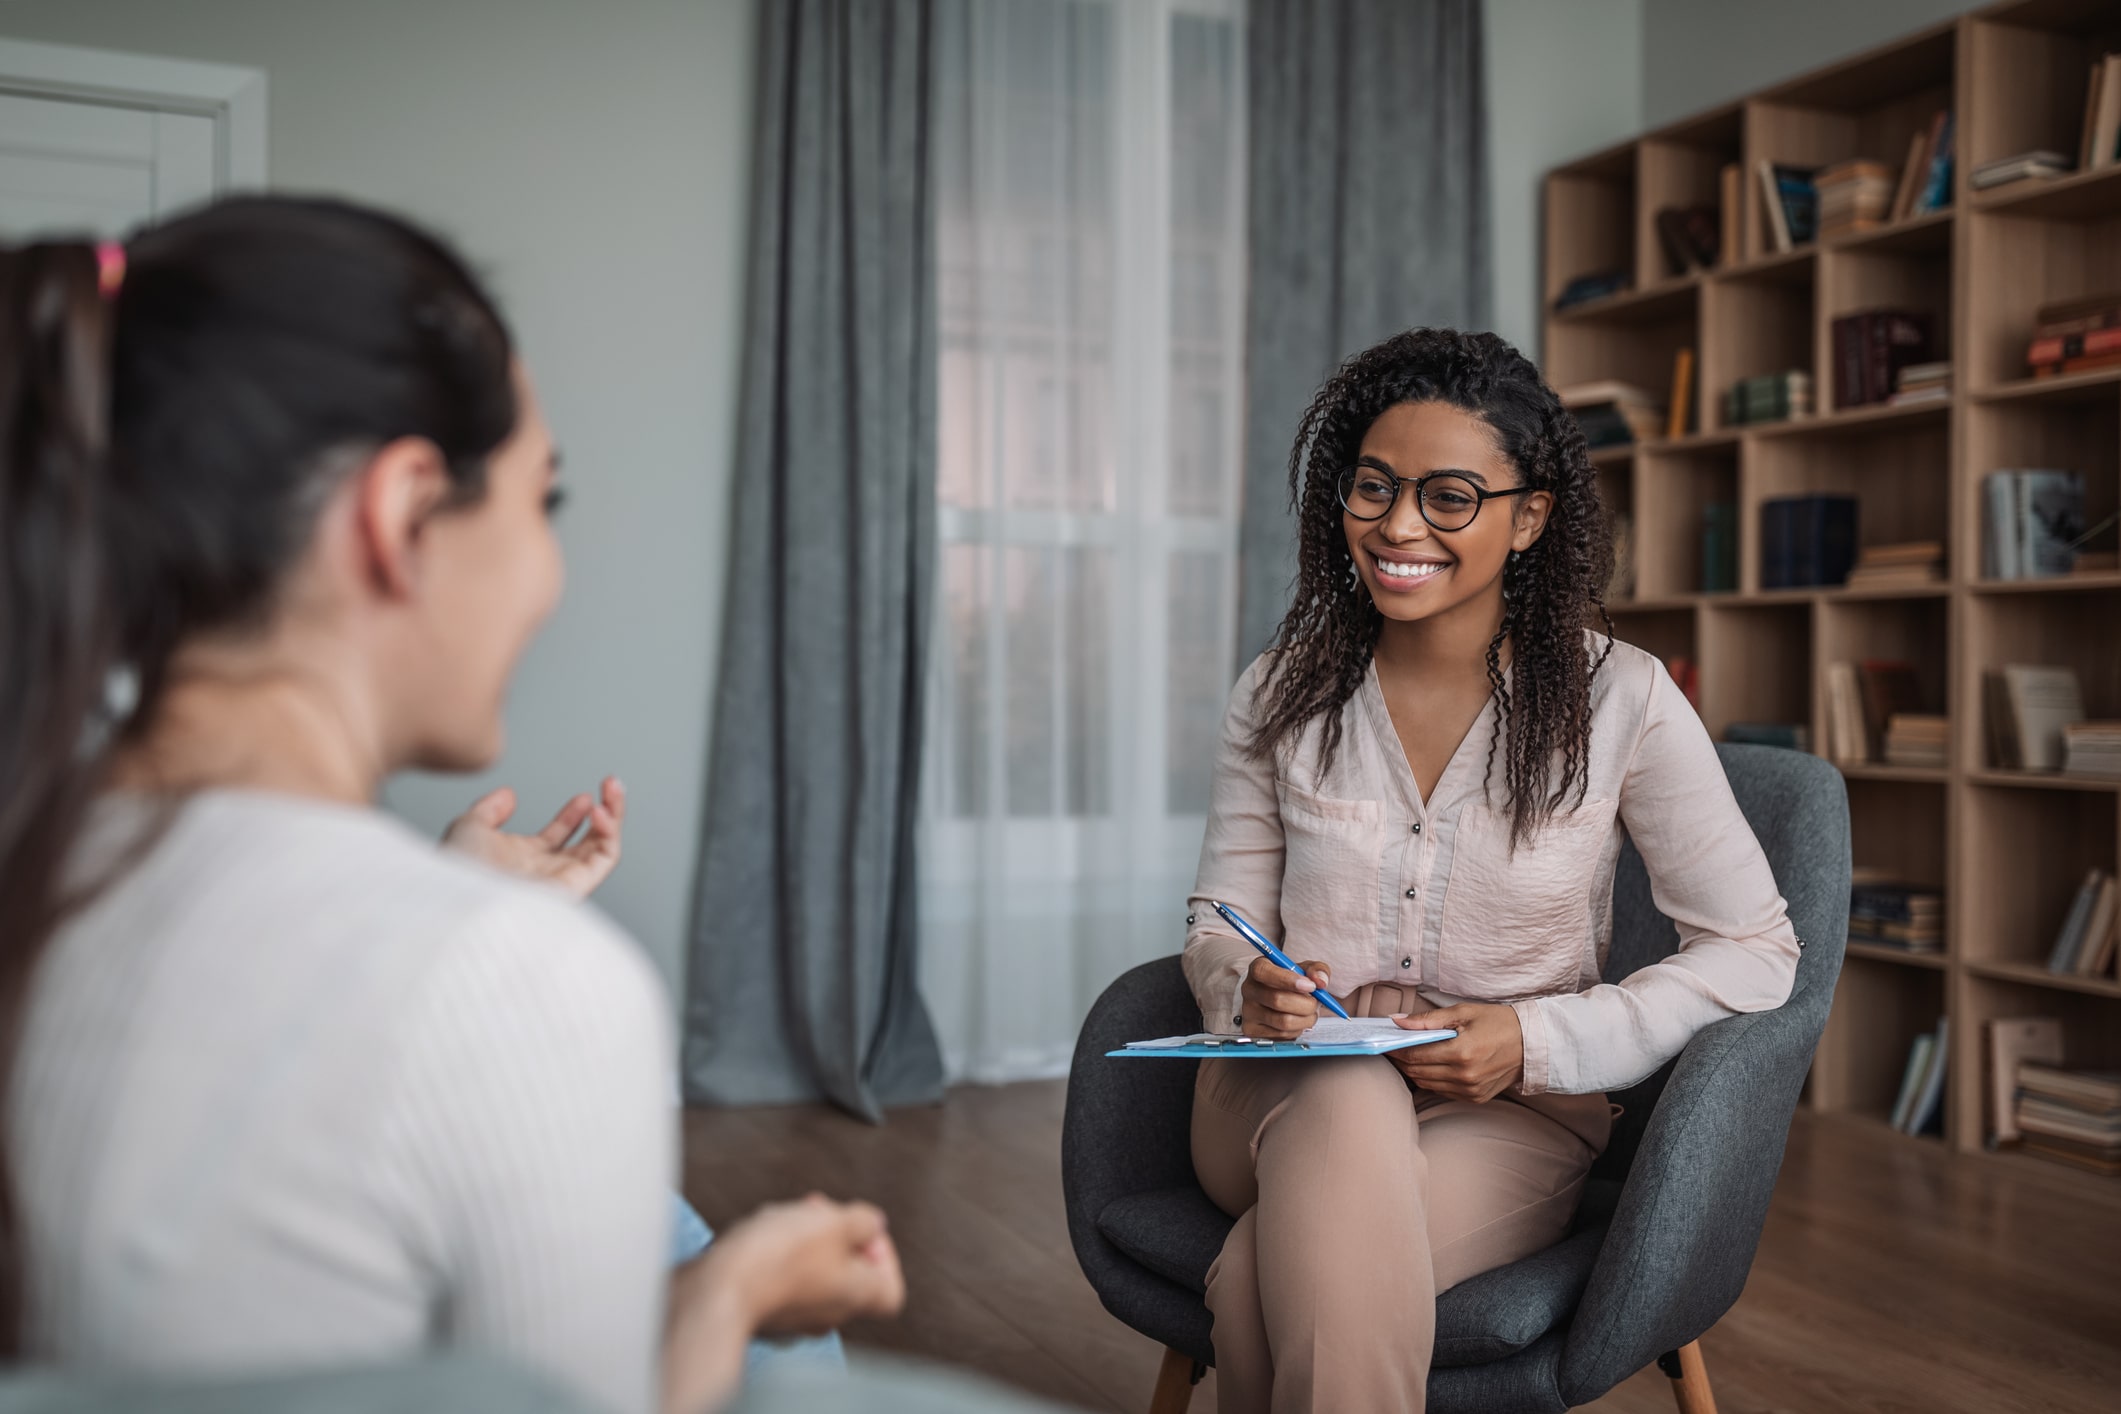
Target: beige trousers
x: 1358, y: 1198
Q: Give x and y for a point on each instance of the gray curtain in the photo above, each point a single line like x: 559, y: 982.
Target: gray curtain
x: 802, y: 980
x: 1368, y: 215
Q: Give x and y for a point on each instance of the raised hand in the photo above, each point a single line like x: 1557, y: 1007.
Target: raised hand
x: 553, y: 855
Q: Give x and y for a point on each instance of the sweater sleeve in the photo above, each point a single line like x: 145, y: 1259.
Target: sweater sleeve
x: 531, y: 1146
x: 1240, y: 864
x: 1737, y: 951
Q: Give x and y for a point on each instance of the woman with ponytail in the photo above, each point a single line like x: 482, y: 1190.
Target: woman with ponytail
x: 1421, y: 790
x: 287, y: 1084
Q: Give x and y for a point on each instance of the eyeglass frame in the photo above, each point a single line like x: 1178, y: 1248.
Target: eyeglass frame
x: 1481, y: 495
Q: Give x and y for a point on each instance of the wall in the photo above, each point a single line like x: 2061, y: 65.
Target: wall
x: 596, y: 167
x: 1699, y: 53
x: 1563, y: 79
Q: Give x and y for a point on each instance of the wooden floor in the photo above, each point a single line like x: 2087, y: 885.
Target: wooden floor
x: 1893, y: 1276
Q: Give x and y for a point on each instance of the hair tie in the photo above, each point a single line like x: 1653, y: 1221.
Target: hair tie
x: 110, y: 267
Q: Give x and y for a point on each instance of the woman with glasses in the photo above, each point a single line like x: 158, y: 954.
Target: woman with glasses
x: 1421, y: 791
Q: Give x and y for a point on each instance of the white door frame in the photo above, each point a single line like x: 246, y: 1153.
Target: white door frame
x: 233, y: 97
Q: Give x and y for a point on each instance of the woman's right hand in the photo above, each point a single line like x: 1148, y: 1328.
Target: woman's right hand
x: 1277, y: 1004
x: 811, y: 1266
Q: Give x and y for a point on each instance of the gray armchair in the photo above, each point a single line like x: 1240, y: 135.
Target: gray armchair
x: 1671, y: 1215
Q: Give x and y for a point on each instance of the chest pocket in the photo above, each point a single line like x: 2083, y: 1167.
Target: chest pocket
x: 1518, y: 925
x: 1332, y: 853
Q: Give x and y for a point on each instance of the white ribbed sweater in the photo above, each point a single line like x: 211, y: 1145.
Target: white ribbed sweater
x: 300, y: 1088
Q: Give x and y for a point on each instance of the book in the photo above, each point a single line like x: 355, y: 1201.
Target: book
x: 1905, y: 563
x: 2012, y: 1041
x: 2083, y: 343
x: 1937, y: 183
x: 1854, y: 195
x: 2033, y: 520
x: 2062, y: 956
x: 1910, y: 176
x: 1768, y: 397
x: 2055, y: 1120
x: 2095, y: 948
x: 1888, y: 686
x: 2039, y: 701
x: 1690, y: 237
x: 1679, y: 407
x: 1791, y: 204
x: 1897, y: 915
x: 1928, y: 1110
x: 1730, y: 185
x: 1844, y: 716
x: 1719, y: 547
x: 1791, y: 736
x: 2017, y: 167
x: 2091, y: 114
x: 2092, y: 1159
x: 1612, y: 413
x: 1585, y: 288
x: 1872, y: 348
x: 1807, y: 541
x: 1912, y: 1079
x: 2107, y: 125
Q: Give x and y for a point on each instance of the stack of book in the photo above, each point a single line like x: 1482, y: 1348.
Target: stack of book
x: 2084, y: 944
x: 2076, y: 336
x: 2012, y: 1041
x: 2092, y: 748
x: 1853, y: 196
x: 1585, y: 288
x: 1769, y: 397
x: 1926, y: 177
x: 1791, y: 736
x: 2100, y: 143
x: 1923, y: 383
x: 1719, y: 547
x: 1896, y: 915
x: 2032, y: 523
x: 1872, y: 347
x: 1911, y: 562
x: 2018, y: 167
x: 2029, y: 708
x: 2073, y: 1116
x: 1612, y: 413
x: 1806, y: 541
x: 1920, y: 1107
x: 1916, y: 739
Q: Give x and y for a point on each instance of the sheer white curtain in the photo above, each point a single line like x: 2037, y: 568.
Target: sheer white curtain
x: 1091, y: 258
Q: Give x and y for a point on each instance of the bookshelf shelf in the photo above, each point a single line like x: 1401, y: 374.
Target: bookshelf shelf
x: 2060, y: 388
x: 2033, y: 975
x: 1911, y: 775
x: 1620, y: 455
x: 2041, y: 780
x: 2006, y: 849
x: 1879, y: 952
x: 1859, y: 419
x: 2073, y: 196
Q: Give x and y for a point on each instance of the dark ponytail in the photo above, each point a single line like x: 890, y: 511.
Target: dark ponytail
x: 165, y: 450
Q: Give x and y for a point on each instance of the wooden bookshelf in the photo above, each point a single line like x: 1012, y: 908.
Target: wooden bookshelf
x: 2006, y: 848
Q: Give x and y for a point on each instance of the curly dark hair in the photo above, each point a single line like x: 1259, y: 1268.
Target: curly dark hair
x: 1325, y: 642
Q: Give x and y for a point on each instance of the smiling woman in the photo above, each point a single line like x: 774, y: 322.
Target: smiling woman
x: 1359, y: 817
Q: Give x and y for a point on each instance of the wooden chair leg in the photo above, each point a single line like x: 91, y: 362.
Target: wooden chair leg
x: 1174, y: 1383
x: 1690, y: 1378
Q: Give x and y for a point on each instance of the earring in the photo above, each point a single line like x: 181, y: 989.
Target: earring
x: 1515, y: 557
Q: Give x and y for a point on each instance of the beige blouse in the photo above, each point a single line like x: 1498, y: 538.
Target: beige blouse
x: 1354, y: 869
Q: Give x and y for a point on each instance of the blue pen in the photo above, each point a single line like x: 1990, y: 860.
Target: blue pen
x: 1272, y: 953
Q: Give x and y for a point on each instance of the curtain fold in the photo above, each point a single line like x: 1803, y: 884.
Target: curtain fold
x: 802, y: 979
x: 1368, y: 215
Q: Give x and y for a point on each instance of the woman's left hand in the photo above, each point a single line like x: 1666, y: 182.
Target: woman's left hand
x: 552, y: 855
x: 1484, y: 1059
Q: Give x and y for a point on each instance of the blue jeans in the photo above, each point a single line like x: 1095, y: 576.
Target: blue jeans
x: 689, y: 1236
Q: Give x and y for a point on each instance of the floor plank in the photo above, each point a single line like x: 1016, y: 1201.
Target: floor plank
x: 1892, y: 1276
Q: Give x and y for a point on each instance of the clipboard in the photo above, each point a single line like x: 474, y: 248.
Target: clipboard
x: 1363, y: 1037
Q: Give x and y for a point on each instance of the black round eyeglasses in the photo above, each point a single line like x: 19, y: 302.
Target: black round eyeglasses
x: 1446, y: 500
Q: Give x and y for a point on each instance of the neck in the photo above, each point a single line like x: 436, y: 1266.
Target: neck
x: 257, y: 720
x: 1450, y: 644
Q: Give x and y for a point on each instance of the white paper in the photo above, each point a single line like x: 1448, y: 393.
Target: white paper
x: 1365, y: 1031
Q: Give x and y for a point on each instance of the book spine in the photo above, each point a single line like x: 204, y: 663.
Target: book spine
x: 1848, y: 361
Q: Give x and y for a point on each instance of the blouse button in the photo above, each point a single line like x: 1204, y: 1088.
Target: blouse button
x: 1190, y: 918
x: 1406, y: 962
x: 1417, y: 827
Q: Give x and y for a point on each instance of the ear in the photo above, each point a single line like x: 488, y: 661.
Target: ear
x: 396, y: 495
x: 1530, y: 521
